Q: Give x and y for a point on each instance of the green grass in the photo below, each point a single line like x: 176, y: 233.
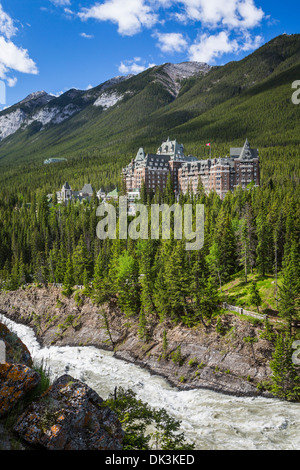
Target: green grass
x: 236, y: 292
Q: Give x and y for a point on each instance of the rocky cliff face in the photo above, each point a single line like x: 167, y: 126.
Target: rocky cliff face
x: 193, y: 358
x: 172, y: 75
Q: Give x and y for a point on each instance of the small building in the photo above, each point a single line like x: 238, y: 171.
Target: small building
x: 87, y: 191
x: 101, y: 195
x: 113, y: 195
x: 54, y: 160
x: 67, y: 194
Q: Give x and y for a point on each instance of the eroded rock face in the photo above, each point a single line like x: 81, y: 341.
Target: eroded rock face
x: 16, y: 351
x: 70, y: 416
x: 16, y: 380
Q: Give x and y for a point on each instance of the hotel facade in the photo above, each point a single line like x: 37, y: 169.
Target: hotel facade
x: 216, y: 174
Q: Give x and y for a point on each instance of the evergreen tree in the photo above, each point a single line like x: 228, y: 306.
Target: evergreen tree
x: 264, y: 253
x: 68, y: 282
x: 285, y: 379
x: 127, y: 283
x: 289, y: 291
x: 176, y: 281
x: 255, y: 297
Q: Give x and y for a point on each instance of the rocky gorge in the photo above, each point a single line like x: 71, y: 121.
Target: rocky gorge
x: 215, y: 358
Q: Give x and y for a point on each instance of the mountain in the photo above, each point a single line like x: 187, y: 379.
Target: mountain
x: 193, y: 102
x: 43, y: 109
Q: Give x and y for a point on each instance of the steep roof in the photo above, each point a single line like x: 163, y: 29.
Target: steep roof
x: 114, y: 193
x: 66, y: 185
x: 87, y: 189
x: 245, y: 152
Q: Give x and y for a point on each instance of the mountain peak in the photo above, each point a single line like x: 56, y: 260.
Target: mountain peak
x: 37, y: 95
x: 176, y: 73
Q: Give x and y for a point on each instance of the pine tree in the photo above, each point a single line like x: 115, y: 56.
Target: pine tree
x: 247, y: 241
x: 214, y: 261
x: 224, y: 246
x: 68, y: 282
x: 285, y: 379
x: 264, y: 237
x: 81, y: 261
x: 176, y: 281
x: 255, y: 297
x: 127, y: 274
x: 289, y: 291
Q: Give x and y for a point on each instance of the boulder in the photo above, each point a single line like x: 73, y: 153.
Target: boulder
x: 16, y: 351
x: 16, y: 381
x: 70, y: 416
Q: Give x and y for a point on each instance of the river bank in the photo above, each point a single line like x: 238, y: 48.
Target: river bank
x: 193, y: 358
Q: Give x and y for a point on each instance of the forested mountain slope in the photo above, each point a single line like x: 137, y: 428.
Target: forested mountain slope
x: 195, y: 103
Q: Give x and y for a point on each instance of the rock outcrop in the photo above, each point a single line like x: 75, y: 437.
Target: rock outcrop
x: 16, y: 350
x: 70, y: 416
x: 16, y: 381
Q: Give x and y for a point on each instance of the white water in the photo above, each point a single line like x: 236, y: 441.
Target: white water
x: 212, y: 421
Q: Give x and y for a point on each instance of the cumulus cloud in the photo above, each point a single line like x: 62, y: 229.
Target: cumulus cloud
x: 130, y: 15
x: 250, y: 43
x: 208, y: 48
x: 12, y: 57
x: 15, y: 58
x: 134, y: 66
x: 225, y: 25
x: 171, y: 42
x: 11, y: 82
x: 229, y: 13
x: 7, y: 27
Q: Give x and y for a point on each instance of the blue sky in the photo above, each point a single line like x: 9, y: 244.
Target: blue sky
x: 55, y: 45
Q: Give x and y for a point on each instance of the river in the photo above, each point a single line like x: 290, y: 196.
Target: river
x: 211, y: 420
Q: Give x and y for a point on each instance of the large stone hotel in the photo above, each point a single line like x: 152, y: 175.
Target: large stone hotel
x: 217, y: 174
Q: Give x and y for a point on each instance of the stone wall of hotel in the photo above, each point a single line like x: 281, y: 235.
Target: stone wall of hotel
x: 218, y: 174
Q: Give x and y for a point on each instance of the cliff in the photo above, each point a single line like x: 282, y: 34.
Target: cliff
x: 220, y: 359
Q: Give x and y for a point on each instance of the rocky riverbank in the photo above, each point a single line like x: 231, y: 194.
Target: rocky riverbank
x: 67, y: 415
x: 222, y: 359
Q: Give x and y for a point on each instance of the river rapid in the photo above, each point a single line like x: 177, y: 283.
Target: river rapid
x: 212, y: 421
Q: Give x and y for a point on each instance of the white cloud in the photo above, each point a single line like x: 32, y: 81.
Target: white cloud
x: 15, y: 58
x: 12, y: 57
x: 11, y: 82
x: 229, y: 13
x: 171, y: 42
x: 133, y: 67
x: 86, y: 36
x: 250, y: 43
x: 251, y: 15
x: 61, y: 3
x: 130, y: 15
x: 208, y: 48
x: 7, y: 27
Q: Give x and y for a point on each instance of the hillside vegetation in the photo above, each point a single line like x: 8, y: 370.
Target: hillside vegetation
x: 250, y: 98
x: 252, y: 238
